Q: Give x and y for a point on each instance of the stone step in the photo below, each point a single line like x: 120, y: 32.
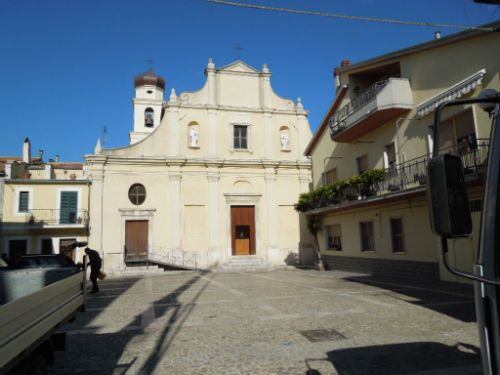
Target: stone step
x: 136, y: 271
x: 245, y: 263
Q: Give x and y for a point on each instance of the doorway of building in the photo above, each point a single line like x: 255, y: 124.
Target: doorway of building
x: 136, y: 240
x: 243, y: 230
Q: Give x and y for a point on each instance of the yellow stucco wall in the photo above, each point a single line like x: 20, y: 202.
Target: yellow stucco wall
x: 431, y: 72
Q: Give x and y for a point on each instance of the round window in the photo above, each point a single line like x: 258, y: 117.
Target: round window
x: 137, y: 194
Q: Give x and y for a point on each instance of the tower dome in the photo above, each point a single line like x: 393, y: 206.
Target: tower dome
x: 149, y: 78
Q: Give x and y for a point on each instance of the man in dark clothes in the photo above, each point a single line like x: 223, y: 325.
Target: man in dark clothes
x: 95, y: 263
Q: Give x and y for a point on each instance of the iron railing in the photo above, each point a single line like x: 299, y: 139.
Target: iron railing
x: 412, y: 173
x: 337, y: 121
x: 160, y: 255
x: 49, y: 216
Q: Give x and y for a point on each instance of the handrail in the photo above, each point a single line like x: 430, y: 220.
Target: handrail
x: 53, y: 216
x: 410, y: 174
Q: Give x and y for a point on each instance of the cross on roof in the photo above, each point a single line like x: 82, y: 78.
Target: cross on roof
x: 238, y: 49
x: 150, y: 61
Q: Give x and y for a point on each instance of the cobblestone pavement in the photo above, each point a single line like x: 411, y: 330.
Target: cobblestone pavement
x: 281, y: 322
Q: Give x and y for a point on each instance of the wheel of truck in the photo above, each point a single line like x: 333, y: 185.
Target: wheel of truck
x: 35, y: 365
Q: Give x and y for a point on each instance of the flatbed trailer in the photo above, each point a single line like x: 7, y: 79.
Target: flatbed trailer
x: 36, y: 303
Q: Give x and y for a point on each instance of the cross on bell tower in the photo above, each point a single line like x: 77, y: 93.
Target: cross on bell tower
x: 150, y: 62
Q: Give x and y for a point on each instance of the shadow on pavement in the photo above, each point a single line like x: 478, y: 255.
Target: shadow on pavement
x: 94, y: 353
x: 453, y: 299
x: 396, y: 359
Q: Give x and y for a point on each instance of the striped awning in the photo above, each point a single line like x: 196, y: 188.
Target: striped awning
x: 454, y: 92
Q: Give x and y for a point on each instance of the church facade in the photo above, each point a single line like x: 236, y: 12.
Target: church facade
x: 209, y: 177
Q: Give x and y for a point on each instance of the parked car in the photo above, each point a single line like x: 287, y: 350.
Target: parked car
x: 52, y: 260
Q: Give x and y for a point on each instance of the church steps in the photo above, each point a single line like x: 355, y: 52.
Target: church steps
x: 245, y: 263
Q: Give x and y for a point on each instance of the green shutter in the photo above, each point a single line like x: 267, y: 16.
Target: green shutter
x: 24, y: 198
x: 69, y: 205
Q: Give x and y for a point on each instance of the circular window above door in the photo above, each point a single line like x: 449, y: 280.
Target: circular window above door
x: 137, y: 194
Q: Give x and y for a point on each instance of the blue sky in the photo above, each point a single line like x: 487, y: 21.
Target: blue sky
x: 68, y: 66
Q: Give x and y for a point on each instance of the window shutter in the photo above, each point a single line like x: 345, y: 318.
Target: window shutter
x: 69, y: 204
x: 24, y: 198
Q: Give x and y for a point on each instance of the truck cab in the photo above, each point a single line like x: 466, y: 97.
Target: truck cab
x: 451, y: 219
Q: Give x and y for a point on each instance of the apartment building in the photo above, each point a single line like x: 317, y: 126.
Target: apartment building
x: 44, y: 204
x: 370, y: 153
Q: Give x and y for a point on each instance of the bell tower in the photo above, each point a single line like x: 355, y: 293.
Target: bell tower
x: 148, y: 104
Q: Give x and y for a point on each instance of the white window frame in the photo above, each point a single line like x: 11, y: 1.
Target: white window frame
x: 31, y: 199
x: 40, y: 240
x: 79, y: 200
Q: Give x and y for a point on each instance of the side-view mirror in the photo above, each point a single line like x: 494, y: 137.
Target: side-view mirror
x: 447, y: 196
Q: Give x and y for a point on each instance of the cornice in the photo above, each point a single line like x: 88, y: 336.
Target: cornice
x: 169, y: 161
x: 201, y: 106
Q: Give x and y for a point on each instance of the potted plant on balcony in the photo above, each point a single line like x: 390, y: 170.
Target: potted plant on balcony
x: 352, y: 189
x: 368, y: 181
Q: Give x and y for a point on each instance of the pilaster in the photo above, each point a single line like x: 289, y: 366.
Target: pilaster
x: 173, y: 129
x: 175, y: 177
x: 212, y: 130
x: 213, y: 208
x: 270, y: 176
x: 268, y: 126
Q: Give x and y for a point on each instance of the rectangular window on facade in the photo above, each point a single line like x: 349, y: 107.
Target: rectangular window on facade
x: 47, y: 247
x: 69, y: 207
x: 362, y: 163
x: 18, y: 247
x: 331, y: 176
x: 366, y: 236
x: 240, y: 137
x: 24, y: 199
x: 334, y: 238
x: 397, y: 235
x: 458, y: 133
x: 390, y: 156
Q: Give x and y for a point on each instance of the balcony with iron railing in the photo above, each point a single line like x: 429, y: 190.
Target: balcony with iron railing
x: 380, y: 103
x: 58, y: 217
x: 397, y: 181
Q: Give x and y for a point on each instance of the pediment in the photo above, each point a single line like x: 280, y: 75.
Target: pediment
x: 239, y: 66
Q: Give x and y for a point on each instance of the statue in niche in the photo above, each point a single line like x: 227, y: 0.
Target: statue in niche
x: 285, y: 140
x: 193, y: 137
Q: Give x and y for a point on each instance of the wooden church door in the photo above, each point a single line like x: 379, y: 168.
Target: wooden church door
x: 243, y: 230
x: 136, y: 240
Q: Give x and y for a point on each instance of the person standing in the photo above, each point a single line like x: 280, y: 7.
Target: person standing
x: 95, y: 263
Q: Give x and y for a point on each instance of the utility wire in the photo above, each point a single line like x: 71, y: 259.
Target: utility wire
x: 331, y: 15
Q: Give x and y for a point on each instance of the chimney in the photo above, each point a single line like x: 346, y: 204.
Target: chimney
x: 438, y: 34
x: 40, y: 154
x: 57, y: 158
x: 345, y: 63
x: 27, y: 151
x: 48, y: 171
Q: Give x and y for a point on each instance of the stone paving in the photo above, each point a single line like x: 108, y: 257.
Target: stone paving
x: 272, y: 323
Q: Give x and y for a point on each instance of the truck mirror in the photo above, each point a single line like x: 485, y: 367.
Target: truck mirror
x: 447, y: 197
